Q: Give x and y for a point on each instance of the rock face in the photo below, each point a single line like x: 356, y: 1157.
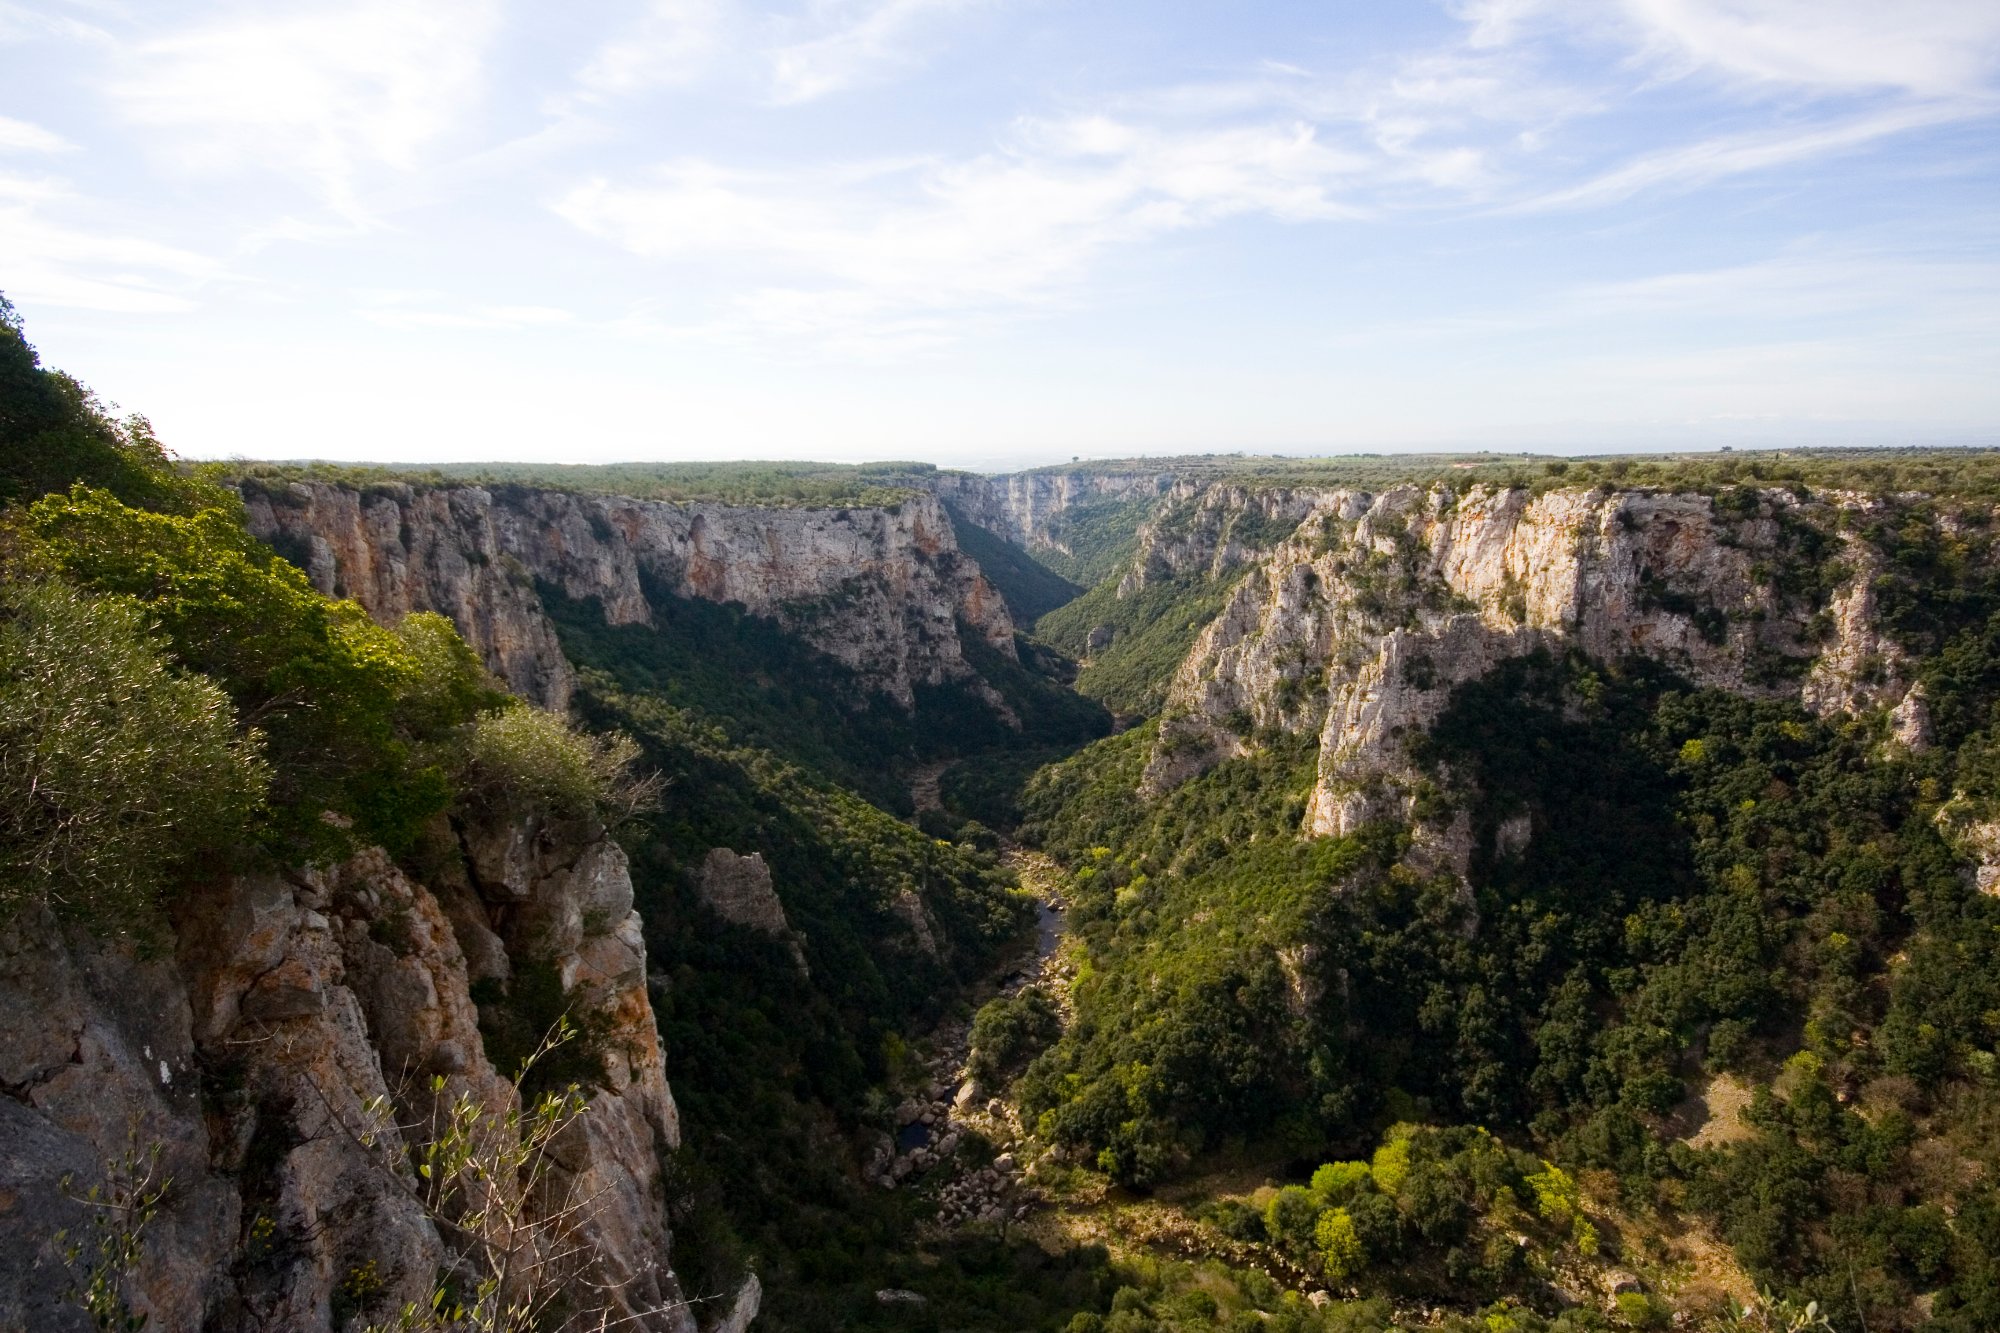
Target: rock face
x: 1212, y: 530
x: 738, y: 888
x: 885, y: 591
x: 280, y: 1049
x: 1361, y: 620
x: 1026, y: 508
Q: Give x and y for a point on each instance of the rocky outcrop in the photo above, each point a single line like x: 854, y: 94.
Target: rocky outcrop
x: 739, y: 890
x: 1361, y: 621
x: 884, y: 591
x: 285, y: 1046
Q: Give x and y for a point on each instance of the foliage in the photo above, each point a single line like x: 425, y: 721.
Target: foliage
x: 1010, y: 1031
x: 1030, y: 589
x: 1156, y: 1295
x: 524, y: 760
x: 1337, y: 1182
x: 764, y: 484
x: 356, y: 716
x: 118, y: 773
x: 1707, y: 877
x: 1151, y: 632
x: 54, y: 432
x: 516, y: 1018
x: 1092, y: 539
x: 1967, y: 473
x: 493, y: 1182
x: 120, y: 1207
x: 769, y: 690
x: 1340, y: 1251
x: 751, y: 1039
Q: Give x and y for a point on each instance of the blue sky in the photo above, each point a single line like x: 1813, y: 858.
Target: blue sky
x: 991, y: 232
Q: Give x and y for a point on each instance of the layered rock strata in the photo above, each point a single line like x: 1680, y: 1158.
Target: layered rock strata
x: 884, y: 591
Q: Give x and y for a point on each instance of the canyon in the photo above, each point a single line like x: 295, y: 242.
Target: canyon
x: 296, y: 1034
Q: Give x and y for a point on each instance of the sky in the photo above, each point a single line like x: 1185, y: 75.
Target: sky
x: 989, y: 233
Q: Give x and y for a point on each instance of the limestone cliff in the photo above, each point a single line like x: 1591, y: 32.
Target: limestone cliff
x: 1212, y: 530
x: 252, y: 1046
x: 1359, y: 623
x: 885, y: 591
x: 1027, y: 508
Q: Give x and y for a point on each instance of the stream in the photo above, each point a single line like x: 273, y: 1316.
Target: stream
x: 931, y: 1124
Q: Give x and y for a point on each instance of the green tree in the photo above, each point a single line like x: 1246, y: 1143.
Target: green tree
x: 1291, y: 1216
x: 1340, y: 1251
x: 1337, y: 1182
x: 357, y: 717
x: 53, y: 432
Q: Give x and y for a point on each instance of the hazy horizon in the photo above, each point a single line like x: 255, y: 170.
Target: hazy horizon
x: 994, y: 234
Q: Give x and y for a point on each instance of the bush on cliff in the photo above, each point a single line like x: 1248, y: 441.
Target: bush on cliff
x: 357, y: 716
x: 526, y: 759
x: 117, y: 771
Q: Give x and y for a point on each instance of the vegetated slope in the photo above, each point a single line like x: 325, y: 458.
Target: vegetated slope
x: 745, y: 483
x: 1702, y: 790
x: 1132, y: 630
x: 884, y: 590
x: 1091, y: 539
x: 1129, y: 646
x: 779, y: 1041
x: 1031, y: 588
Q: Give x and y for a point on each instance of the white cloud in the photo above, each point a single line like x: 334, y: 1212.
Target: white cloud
x: 394, y: 311
x: 55, y: 260
x: 1700, y: 163
x: 1891, y: 295
x: 884, y: 244
x: 18, y: 136
x: 1932, y: 48
x: 855, y: 40
x: 1927, y: 48
x: 1843, y: 292
x: 324, y: 96
x: 21, y: 23
x: 674, y: 43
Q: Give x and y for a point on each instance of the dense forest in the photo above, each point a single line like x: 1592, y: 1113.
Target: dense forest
x: 1720, y: 976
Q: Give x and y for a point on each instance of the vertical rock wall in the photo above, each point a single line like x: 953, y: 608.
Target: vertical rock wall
x: 884, y: 591
x: 251, y: 1045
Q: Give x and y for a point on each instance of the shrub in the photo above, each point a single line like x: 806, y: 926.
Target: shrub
x: 1340, y: 1252
x: 353, y: 713
x: 526, y: 759
x: 1291, y: 1216
x: 53, y: 431
x: 1010, y: 1031
x: 1391, y: 1165
x: 1337, y: 1182
x: 117, y: 773
x: 1639, y: 1310
x: 1378, y: 1225
x: 1237, y: 1220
